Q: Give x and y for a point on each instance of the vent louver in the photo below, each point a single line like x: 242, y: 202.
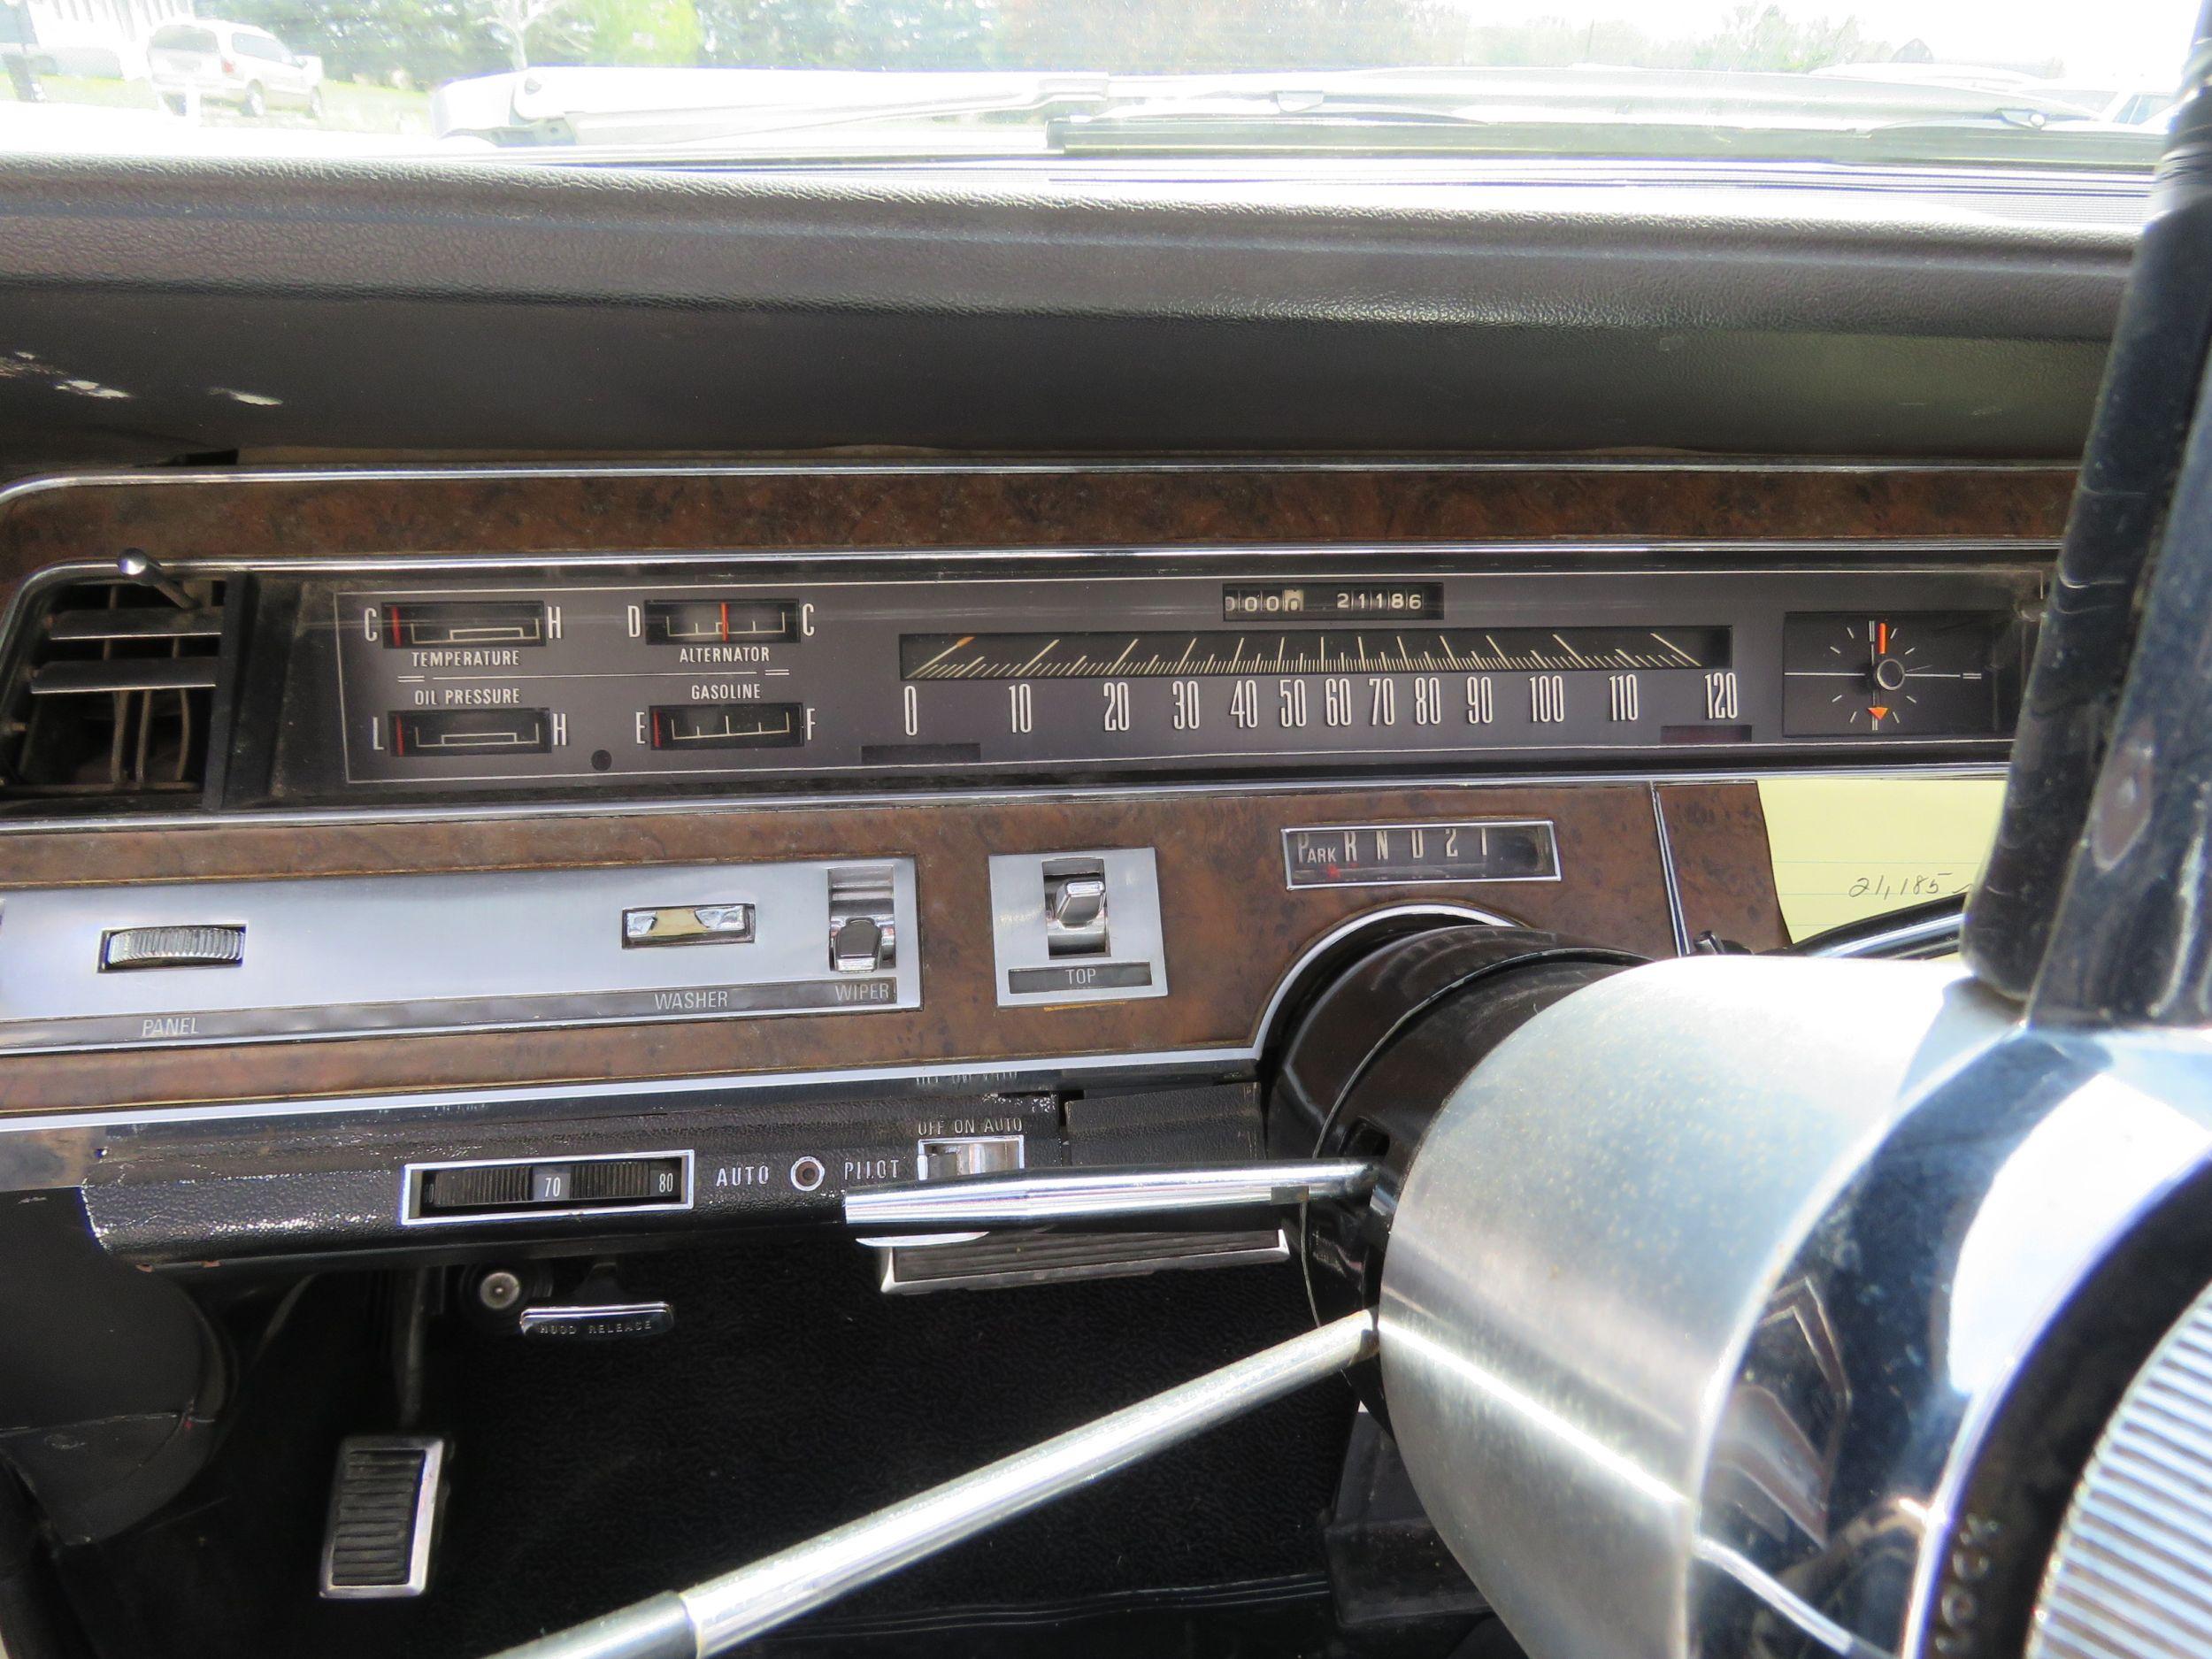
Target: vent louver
x: 111, y: 688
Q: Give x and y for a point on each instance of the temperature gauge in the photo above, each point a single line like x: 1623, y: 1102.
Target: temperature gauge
x: 682, y: 726
x: 1929, y: 673
x: 427, y: 625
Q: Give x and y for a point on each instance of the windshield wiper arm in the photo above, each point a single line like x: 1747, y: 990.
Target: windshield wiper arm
x: 677, y: 109
x: 1368, y: 130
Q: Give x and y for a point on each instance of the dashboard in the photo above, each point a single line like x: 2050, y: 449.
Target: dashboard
x: 559, y: 727
x: 764, y: 832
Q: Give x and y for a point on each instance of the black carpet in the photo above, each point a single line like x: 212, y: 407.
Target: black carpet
x: 791, y: 1396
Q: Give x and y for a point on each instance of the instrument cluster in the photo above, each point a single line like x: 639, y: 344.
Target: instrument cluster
x: 588, y: 681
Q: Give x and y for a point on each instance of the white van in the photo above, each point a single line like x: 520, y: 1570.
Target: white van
x: 233, y: 64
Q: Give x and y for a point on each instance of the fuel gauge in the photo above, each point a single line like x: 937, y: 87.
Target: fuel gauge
x: 698, y: 726
x: 1930, y: 673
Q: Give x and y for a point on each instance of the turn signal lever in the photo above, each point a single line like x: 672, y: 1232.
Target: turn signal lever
x: 1096, y: 1198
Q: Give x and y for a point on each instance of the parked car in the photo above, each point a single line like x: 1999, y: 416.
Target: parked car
x: 2120, y: 105
x: 232, y: 64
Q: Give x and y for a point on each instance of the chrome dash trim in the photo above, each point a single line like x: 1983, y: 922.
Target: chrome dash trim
x: 1900, y: 936
x: 1439, y: 911
x: 1172, y: 1253
x: 1675, y: 918
x: 1044, y: 1197
x: 1025, y: 1074
x: 996, y: 793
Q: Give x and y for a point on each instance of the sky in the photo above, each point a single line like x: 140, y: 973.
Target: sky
x: 2115, y: 40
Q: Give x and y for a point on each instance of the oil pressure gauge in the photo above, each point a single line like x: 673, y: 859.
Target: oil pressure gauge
x: 1927, y: 673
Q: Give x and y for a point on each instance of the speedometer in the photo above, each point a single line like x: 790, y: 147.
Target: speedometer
x: 1145, y: 654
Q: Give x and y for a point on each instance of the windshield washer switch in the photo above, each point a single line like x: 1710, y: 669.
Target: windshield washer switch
x: 190, y: 946
x: 687, y: 924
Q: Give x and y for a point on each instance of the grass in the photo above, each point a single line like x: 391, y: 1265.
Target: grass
x: 347, y: 108
x: 114, y: 95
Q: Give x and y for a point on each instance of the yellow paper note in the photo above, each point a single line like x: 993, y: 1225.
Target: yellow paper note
x: 1848, y: 847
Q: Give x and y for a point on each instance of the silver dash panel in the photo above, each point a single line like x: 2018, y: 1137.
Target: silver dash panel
x: 342, y: 956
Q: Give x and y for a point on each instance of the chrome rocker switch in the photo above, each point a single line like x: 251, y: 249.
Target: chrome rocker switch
x: 864, y: 934
x: 1075, y: 907
x: 175, y: 947
x: 688, y: 924
x: 1077, y: 926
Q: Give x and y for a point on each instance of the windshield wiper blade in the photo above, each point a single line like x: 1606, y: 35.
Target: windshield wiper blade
x: 672, y: 109
x: 1368, y: 131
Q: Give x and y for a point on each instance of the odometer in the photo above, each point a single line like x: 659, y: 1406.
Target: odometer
x: 1416, y: 602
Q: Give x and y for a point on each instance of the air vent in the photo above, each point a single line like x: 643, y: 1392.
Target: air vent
x: 111, y: 687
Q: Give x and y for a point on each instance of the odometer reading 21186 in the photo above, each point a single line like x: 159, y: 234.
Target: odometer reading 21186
x: 1418, y: 601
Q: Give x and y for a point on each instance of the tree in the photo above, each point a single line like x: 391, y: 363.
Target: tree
x: 1766, y: 37
x: 851, y: 34
x: 429, y: 40
x: 648, y: 33
x: 1171, y: 35
x: 511, y: 21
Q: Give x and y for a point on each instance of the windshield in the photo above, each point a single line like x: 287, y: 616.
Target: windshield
x: 1889, y: 82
